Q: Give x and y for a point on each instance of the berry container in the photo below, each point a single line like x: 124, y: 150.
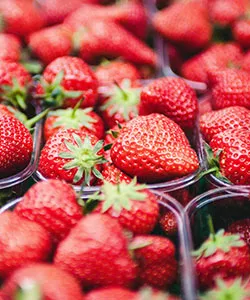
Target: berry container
x: 185, y: 286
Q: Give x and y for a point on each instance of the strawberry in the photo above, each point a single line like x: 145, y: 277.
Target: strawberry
x: 116, y: 71
x: 20, y: 17
x: 96, y: 42
x: 148, y: 293
x: 172, y: 97
x: 42, y: 281
x: 21, y: 242
x: 82, y: 119
x: 232, y: 89
x: 96, y: 252
x: 10, y: 47
x: 241, y: 32
x: 156, y: 257
x: 134, y: 206
x: 111, y: 293
x: 112, y: 174
x: 168, y: 223
x: 218, y: 121
x: 217, y: 56
x: 16, y: 146
x: 4, y: 110
x: 241, y: 227
x: 50, y: 43
x: 14, y: 83
x: 65, y: 80
x: 153, y: 148
x: 72, y: 155
x: 177, y: 24
x: 222, y: 255
x: 231, y: 148
x: 52, y: 204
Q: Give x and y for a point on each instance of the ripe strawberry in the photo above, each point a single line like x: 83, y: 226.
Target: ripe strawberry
x: 232, y: 89
x: 111, y: 293
x: 16, y: 146
x: 42, y: 281
x: 96, y: 252
x: 217, y: 56
x: 82, y: 119
x: 14, y: 82
x: 233, y: 150
x: 50, y: 43
x: 241, y: 32
x: 72, y: 155
x: 177, y: 24
x: 4, y: 110
x: 221, y: 255
x: 20, y: 17
x: 241, y: 227
x: 112, y: 174
x: 156, y: 257
x: 133, y: 205
x: 96, y: 42
x: 10, y: 47
x: 21, y: 242
x: 52, y: 204
x: 218, y: 121
x: 66, y: 80
x: 116, y: 71
x: 153, y: 148
x: 168, y: 223
x: 172, y: 97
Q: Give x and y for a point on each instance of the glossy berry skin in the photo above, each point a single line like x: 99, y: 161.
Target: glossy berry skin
x: 235, y: 156
x: 177, y: 24
x: 48, y: 278
x: 241, y: 227
x: 77, y: 77
x: 111, y: 293
x: 172, y: 97
x: 52, y: 204
x: 232, y: 89
x: 10, y: 47
x: 154, y: 149
x: 108, y: 39
x: 241, y: 32
x: 16, y: 146
x: 112, y: 174
x: 50, y: 43
x: 96, y: 252
x: 232, y: 117
x: 168, y: 223
x: 21, y: 242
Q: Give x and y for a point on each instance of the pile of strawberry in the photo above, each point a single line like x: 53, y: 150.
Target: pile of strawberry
x: 56, y: 246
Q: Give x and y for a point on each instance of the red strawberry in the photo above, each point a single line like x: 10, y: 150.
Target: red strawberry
x: 168, y: 223
x: 16, y: 146
x: 50, y: 43
x: 241, y: 32
x: 4, y: 110
x: 14, y: 81
x: 42, y: 281
x: 217, y: 56
x: 232, y: 88
x: 20, y: 17
x: 233, y: 150
x: 83, y: 119
x: 134, y: 206
x: 177, y: 24
x: 218, y: 121
x: 96, y: 42
x: 154, y: 149
x: 65, y: 80
x: 222, y: 255
x: 52, y: 204
x: 156, y: 257
x: 116, y: 71
x: 111, y: 293
x: 241, y: 227
x: 10, y: 47
x: 112, y: 174
x: 96, y: 252
x: 72, y: 155
x: 21, y: 242
x: 172, y: 97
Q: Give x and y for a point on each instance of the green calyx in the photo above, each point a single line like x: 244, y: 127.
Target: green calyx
x: 235, y: 291
x: 83, y: 156
x: 147, y: 293
x: 15, y: 94
x: 123, y: 99
x: 218, y: 241
x: 120, y: 196
x: 28, y: 290
x: 54, y: 94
